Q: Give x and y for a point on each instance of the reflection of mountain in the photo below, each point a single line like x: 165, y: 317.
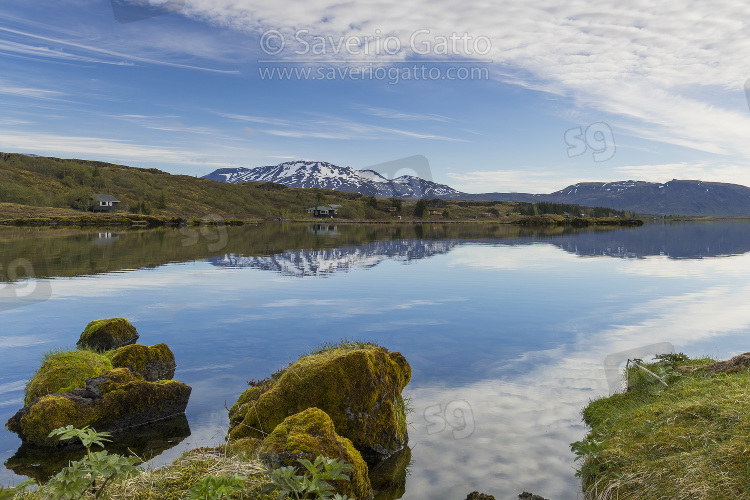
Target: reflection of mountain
x: 74, y: 252
x: 326, y: 261
x: 676, y: 241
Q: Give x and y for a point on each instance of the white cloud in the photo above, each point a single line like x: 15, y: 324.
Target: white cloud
x: 639, y: 61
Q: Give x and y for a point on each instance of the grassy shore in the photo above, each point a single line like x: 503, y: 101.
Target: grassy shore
x: 688, y: 440
x: 12, y: 214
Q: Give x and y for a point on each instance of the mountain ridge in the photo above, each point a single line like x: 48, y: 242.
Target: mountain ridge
x: 321, y: 174
x: 681, y: 197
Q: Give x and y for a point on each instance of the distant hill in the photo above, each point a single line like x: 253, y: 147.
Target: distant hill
x: 673, y: 197
x: 682, y: 197
x: 320, y: 174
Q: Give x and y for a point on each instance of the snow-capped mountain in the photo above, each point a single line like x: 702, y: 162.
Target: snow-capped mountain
x: 320, y: 174
x: 684, y: 197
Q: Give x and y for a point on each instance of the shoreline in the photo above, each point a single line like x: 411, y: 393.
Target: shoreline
x: 152, y: 221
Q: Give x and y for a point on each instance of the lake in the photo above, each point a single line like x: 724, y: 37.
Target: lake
x: 509, y: 331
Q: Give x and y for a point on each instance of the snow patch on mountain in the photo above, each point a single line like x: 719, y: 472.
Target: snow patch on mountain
x: 320, y: 174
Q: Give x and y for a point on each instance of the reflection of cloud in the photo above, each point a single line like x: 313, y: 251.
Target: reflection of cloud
x: 526, y: 257
x: 26, y: 341
x: 18, y: 385
x: 666, y: 267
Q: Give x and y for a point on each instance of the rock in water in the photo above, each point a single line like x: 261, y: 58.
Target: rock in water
x: 65, y: 371
x: 309, y: 434
x: 359, y: 388
x: 114, y: 402
x: 153, y: 363
x: 106, y: 334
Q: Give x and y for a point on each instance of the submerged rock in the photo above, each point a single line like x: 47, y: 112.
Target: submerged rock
x: 65, y: 371
x: 114, y: 402
x: 309, y: 434
x: 107, y: 334
x: 153, y: 363
x: 358, y: 387
x: 475, y: 495
x: 388, y: 478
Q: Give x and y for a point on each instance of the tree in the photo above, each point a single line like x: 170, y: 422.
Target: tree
x: 420, y: 209
x: 446, y: 214
x: 396, y: 202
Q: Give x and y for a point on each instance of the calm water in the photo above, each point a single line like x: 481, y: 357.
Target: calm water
x: 507, y: 330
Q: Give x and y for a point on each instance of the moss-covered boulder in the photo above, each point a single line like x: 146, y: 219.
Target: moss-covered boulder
x: 106, y: 334
x: 309, y: 434
x: 114, y: 402
x: 360, y: 388
x: 153, y: 363
x: 65, y: 371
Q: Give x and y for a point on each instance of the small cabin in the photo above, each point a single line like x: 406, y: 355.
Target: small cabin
x: 323, y: 211
x: 104, y: 203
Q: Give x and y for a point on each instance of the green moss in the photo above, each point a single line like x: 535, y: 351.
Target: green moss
x: 64, y: 371
x: 127, y: 401
x: 358, y: 387
x: 106, y: 334
x: 685, y: 441
x: 154, y: 363
x: 309, y: 434
x: 49, y: 413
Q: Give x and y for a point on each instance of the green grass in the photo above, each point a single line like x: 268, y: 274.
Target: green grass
x: 44, y: 188
x: 690, y: 440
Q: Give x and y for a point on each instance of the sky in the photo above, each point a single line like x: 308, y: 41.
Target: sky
x: 509, y: 95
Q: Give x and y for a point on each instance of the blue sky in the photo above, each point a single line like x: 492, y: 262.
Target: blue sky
x: 503, y: 96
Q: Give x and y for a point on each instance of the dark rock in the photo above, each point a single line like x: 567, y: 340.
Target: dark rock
x: 153, y: 363
x: 737, y: 363
x: 475, y: 495
x: 117, y: 401
x: 107, y: 334
x: 530, y: 496
x: 360, y: 388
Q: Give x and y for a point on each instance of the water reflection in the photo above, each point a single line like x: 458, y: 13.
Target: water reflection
x: 41, y: 463
x: 506, y: 329
x: 321, y: 249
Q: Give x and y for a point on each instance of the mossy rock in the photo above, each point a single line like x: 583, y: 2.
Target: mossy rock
x: 359, y: 388
x: 309, y: 434
x: 63, y: 372
x: 114, y: 402
x: 106, y: 334
x: 153, y: 363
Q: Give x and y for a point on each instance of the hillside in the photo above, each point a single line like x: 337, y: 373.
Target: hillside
x: 42, y: 187
x: 62, y: 183
x: 683, y: 197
